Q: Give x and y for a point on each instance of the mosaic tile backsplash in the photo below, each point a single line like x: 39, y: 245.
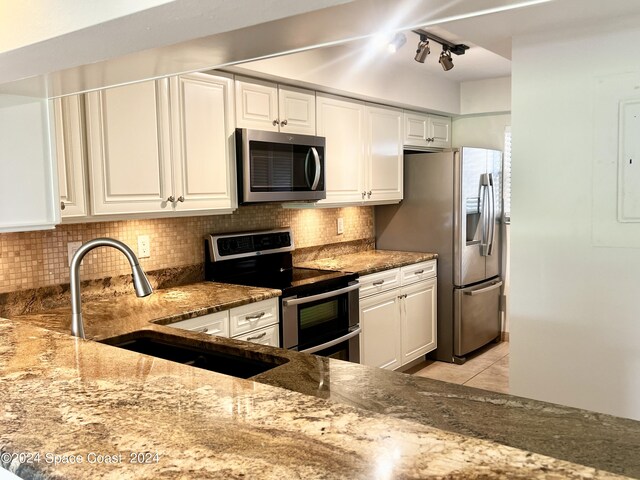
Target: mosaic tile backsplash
x: 38, y: 259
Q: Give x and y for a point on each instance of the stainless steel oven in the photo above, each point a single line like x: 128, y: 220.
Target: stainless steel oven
x: 275, y: 167
x: 323, y: 323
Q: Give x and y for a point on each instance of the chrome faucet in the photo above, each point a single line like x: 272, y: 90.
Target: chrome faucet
x: 140, y: 281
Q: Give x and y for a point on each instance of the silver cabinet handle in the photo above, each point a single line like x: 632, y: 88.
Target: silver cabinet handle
x: 62, y: 206
x: 418, y: 272
x: 181, y: 199
x: 257, y: 337
x: 483, y: 290
x: 369, y: 194
x: 283, y: 123
x: 333, y: 342
x: 364, y: 194
x: 202, y: 330
x: 320, y: 296
x: 275, y: 122
x: 171, y: 199
x: 378, y: 283
x: 257, y: 316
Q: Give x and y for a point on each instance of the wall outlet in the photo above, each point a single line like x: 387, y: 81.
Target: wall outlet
x: 340, y: 226
x: 144, y: 246
x: 72, y: 248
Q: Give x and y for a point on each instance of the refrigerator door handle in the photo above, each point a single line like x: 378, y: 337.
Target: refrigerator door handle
x: 484, y: 193
x: 492, y: 217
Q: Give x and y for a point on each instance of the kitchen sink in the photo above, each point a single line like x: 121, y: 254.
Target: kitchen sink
x: 225, y: 359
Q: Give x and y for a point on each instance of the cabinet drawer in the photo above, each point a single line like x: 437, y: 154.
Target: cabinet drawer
x: 379, y: 282
x: 264, y: 336
x: 212, y: 324
x: 418, y: 271
x: 253, y: 316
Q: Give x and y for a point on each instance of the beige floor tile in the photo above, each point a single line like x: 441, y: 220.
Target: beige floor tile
x: 447, y: 372
x: 493, y: 352
x: 494, y: 378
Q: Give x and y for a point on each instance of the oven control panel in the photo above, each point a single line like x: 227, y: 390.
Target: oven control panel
x: 226, y: 247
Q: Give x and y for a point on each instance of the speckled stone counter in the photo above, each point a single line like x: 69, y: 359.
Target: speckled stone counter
x: 87, y: 401
x: 114, y: 315
x: 368, y: 261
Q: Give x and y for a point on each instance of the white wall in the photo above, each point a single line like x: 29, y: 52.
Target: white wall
x: 344, y: 70
x: 575, y: 305
x: 483, y: 131
x: 485, y: 96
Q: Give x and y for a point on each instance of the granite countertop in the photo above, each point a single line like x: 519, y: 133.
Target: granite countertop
x: 355, y: 421
x: 91, y: 402
x: 368, y: 261
x: 114, y: 315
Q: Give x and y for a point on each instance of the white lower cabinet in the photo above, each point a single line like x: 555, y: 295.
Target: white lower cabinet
x: 399, y: 324
x: 255, y: 322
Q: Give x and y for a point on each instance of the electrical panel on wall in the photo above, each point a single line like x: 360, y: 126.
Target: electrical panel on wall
x: 629, y: 162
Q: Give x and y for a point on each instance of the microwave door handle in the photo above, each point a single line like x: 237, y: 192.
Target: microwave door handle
x: 348, y: 336
x: 316, y: 158
x: 320, y: 296
x: 306, y: 169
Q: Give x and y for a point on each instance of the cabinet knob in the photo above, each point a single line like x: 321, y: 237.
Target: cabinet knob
x: 364, y: 194
x: 62, y: 206
x: 430, y: 139
x: 369, y: 194
x: 171, y: 199
x: 283, y: 123
x: 181, y: 199
x: 275, y: 122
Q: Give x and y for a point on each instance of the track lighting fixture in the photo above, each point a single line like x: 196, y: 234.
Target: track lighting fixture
x: 423, y: 50
x: 398, y: 40
x: 445, y: 59
x: 447, y: 49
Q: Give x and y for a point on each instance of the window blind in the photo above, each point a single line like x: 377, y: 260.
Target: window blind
x: 506, y: 187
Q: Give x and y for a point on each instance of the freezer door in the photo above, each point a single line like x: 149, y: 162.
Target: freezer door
x: 471, y: 214
x: 476, y: 316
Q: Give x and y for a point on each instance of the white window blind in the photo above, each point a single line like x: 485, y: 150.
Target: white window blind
x: 506, y: 187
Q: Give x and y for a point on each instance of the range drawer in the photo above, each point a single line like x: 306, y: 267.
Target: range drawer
x: 213, y: 324
x: 253, y: 316
x: 264, y: 336
x: 379, y: 282
x: 418, y: 271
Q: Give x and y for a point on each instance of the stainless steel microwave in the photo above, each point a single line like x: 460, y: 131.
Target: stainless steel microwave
x: 276, y: 167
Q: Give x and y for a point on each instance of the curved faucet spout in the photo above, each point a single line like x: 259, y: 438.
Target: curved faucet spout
x: 140, y: 282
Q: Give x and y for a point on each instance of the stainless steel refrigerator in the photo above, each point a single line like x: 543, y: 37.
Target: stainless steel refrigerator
x: 453, y: 206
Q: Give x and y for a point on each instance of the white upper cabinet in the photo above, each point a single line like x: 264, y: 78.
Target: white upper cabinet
x: 129, y: 148
x: 28, y: 179
x: 71, y: 156
x: 426, y: 131
x: 162, y: 146
x: 202, y: 126
x: 341, y: 122
x: 267, y: 106
x: 384, y: 156
x: 297, y: 109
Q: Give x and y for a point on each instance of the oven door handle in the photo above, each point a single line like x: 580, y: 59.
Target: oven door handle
x: 320, y: 296
x: 317, y: 348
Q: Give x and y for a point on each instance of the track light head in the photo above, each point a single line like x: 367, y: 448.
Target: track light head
x: 398, y: 40
x: 423, y: 50
x: 445, y: 60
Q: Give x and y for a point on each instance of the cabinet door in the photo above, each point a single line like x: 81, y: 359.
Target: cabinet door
x: 341, y: 122
x: 129, y: 148
x: 416, y: 129
x: 380, y: 323
x: 297, y: 110
x: 202, y: 141
x: 383, y: 165
x: 256, y: 104
x: 418, y: 319
x: 70, y: 153
x: 440, y: 132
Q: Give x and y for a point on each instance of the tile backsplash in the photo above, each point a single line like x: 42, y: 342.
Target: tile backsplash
x: 38, y: 259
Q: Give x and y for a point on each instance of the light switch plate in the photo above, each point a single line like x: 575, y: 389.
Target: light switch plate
x: 340, y: 226
x: 72, y: 248
x: 144, y: 246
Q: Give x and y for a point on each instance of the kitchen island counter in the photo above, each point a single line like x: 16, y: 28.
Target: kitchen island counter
x: 70, y: 397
